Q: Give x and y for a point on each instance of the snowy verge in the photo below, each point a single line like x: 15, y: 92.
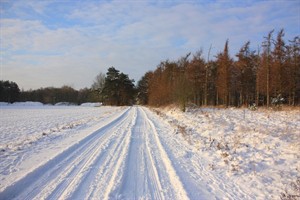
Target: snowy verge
x: 257, y: 150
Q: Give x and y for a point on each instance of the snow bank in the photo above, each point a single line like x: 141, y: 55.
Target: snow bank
x: 27, y: 103
x: 65, y: 104
x: 4, y: 104
x: 91, y: 104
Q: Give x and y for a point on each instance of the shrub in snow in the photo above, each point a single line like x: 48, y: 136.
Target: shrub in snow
x: 277, y: 102
x: 293, y: 193
x: 252, y: 106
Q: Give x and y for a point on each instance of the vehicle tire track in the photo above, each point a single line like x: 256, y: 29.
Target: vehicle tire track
x: 124, y: 159
x: 145, y: 174
x: 174, y: 178
x: 105, y: 179
x: 29, y: 187
x: 99, y: 154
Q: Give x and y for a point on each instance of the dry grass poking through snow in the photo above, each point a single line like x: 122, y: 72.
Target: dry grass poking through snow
x: 260, y: 150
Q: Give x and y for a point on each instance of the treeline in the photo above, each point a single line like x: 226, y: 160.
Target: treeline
x: 10, y: 92
x: 253, y: 77
x: 114, y: 88
x: 52, y: 95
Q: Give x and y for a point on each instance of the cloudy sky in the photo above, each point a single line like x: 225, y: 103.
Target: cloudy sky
x: 60, y: 42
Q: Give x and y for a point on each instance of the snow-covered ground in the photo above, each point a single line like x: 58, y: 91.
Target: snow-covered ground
x: 78, y: 152
x: 257, y: 150
x: 32, y: 134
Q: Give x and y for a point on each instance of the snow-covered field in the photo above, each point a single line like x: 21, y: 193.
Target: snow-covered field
x: 257, y: 150
x: 85, y: 152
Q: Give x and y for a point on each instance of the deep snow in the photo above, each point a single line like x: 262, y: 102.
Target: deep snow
x: 73, y: 152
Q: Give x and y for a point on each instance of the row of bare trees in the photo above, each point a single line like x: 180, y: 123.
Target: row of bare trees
x: 252, y: 77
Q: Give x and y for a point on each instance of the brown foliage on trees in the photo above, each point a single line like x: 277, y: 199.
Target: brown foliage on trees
x: 252, y: 77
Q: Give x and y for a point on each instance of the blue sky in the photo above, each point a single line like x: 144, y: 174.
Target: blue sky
x: 54, y: 43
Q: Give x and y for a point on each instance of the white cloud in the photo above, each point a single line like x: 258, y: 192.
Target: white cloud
x: 132, y: 36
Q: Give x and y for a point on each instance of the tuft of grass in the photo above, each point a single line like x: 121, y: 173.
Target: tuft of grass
x: 293, y: 192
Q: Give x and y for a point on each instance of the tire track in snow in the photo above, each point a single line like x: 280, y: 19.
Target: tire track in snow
x: 61, y: 166
x: 105, y: 155
x: 121, y: 158
x: 153, y: 172
x: 174, y: 178
x: 139, y: 176
x: 127, y: 150
x: 103, y: 177
x: 146, y: 175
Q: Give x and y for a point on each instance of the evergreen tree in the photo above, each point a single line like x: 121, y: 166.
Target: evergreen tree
x: 9, y: 91
x: 118, y: 88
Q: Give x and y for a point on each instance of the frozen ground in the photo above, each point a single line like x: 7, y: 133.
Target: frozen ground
x: 257, y: 150
x: 72, y: 152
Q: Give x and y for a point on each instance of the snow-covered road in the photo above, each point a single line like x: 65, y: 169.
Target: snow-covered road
x: 73, y: 152
x: 124, y: 159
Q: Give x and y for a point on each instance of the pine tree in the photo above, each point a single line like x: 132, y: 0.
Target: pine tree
x: 118, y: 88
x: 9, y: 91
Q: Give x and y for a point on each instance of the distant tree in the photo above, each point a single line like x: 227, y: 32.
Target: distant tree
x: 182, y: 84
x: 245, y: 76
x: 198, y: 76
x: 84, y: 95
x: 162, y: 85
x: 127, y: 90
x: 224, y: 63
x: 69, y: 94
x: 278, y: 67
x: 293, y: 71
x: 118, y: 88
x: 155, y: 92
x: 207, y: 74
x: 143, y: 88
x: 111, y: 87
x: 266, y: 66
x: 98, y: 86
x: 9, y: 91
